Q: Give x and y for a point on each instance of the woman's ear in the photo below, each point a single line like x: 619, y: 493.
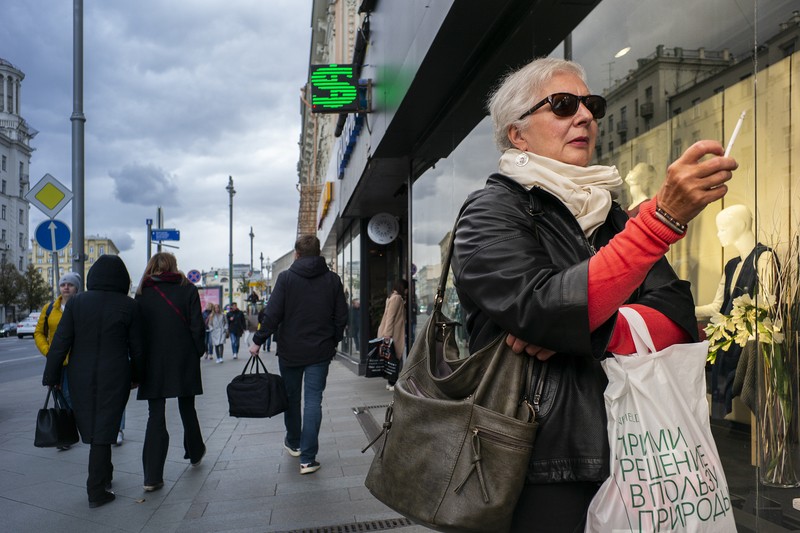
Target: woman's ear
x: 516, y: 138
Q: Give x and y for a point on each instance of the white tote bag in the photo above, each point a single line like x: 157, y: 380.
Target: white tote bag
x: 666, y: 474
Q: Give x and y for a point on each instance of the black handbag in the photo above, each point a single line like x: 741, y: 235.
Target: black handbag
x: 55, y: 426
x: 256, y: 394
x: 376, y: 363
x: 454, y: 449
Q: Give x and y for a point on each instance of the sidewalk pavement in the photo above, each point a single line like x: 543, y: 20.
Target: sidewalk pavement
x: 246, y: 482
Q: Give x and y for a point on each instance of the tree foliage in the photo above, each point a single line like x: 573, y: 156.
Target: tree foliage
x: 11, y: 282
x: 35, y: 290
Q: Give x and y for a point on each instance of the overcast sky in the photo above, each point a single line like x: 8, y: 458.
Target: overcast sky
x: 178, y: 96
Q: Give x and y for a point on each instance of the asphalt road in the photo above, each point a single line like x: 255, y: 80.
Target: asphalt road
x: 19, y: 359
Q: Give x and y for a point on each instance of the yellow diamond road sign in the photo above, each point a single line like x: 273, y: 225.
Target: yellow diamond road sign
x: 49, y: 195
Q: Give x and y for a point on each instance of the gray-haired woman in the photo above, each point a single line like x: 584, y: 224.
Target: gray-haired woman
x: 544, y: 255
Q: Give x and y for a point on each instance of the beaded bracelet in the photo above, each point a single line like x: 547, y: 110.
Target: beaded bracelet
x: 670, y: 221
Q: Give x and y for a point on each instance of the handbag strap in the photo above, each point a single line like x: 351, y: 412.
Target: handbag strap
x: 59, y: 401
x: 172, y: 305
x: 254, y: 363
x: 639, y: 332
x: 438, y: 299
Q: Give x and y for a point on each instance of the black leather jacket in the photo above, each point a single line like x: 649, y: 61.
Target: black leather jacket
x: 520, y: 265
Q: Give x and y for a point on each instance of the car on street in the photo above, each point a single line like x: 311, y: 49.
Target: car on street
x: 28, y: 325
x: 8, y: 329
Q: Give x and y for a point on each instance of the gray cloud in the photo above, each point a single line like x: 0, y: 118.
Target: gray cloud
x: 177, y: 96
x: 144, y: 185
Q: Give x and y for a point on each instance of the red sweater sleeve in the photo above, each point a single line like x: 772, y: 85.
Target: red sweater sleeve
x: 619, y: 268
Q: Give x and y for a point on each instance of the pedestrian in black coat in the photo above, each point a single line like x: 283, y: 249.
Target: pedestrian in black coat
x: 174, y: 333
x: 100, y: 329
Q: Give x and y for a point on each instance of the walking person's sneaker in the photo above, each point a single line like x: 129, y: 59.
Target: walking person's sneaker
x: 236, y: 356
x: 102, y: 500
x: 219, y: 360
x: 294, y: 452
x: 154, y: 487
x: 120, y: 438
x: 309, y: 468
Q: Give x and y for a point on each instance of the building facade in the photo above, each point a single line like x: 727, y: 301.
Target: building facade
x: 690, y: 71
x: 15, y: 158
x: 94, y: 247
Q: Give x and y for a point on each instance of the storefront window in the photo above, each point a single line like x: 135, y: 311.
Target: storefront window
x: 354, y: 304
x: 437, y: 196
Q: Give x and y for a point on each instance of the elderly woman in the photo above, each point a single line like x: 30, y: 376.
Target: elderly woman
x: 544, y: 255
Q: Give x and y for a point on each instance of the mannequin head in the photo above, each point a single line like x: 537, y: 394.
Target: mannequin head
x: 733, y: 223
x: 641, y: 182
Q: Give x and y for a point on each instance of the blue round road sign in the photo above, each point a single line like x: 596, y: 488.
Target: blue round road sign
x: 52, y: 235
x: 193, y: 276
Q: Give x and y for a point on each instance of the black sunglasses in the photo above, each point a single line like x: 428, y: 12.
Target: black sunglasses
x: 566, y: 105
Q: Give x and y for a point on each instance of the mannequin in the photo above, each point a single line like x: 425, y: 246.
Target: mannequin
x: 640, y: 182
x: 751, y: 271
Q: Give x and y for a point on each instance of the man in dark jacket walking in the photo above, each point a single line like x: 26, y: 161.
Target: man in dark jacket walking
x: 307, y: 312
x: 237, y: 325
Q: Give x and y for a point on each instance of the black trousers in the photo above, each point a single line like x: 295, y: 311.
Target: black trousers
x: 156, y: 437
x: 554, y: 507
x: 100, y: 471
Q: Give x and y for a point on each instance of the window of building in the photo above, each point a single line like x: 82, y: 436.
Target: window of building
x: 21, y: 264
x: 3, y: 213
x: 21, y: 174
x: 3, y: 236
x: 4, y: 163
x: 101, y: 249
x: 22, y: 240
x: 3, y: 187
x: 21, y: 216
x: 648, y: 94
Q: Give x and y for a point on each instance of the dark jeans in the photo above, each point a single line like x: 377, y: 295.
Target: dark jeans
x: 220, y: 349
x: 156, y: 437
x: 303, y: 432
x: 554, y: 507
x: 235, y: 343
x: 100, y: 471
x: 65, y: 387
x: 209, y: 345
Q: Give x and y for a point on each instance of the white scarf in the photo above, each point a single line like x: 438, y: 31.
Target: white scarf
x: 586, y: 191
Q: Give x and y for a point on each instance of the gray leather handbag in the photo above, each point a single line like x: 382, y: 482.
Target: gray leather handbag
x: 458, y: 435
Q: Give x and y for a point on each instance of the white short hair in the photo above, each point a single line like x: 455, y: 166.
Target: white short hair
x: 512, y: 95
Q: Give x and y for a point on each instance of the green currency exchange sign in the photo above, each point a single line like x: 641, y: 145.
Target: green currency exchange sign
x: 334, y: 89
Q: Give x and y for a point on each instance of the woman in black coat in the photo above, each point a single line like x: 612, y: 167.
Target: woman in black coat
x: 174, y: 334
x: 100, y: 328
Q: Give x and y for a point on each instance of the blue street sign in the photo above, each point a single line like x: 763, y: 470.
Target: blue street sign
x: 52, y: 235
x: 165, y: 235
x: 193, y: 276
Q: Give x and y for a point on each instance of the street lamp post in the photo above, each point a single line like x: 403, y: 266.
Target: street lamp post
x: 262, y: 269
x: 269, y: 273
x: 231, y: 192
x: 251, y: 248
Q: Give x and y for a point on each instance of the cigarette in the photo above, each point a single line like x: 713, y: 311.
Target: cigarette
x: 735, y: 133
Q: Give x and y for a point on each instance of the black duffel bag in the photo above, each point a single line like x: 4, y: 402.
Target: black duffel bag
x: 256, y: 394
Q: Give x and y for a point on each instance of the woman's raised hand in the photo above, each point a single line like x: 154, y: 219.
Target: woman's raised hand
x: 693, y: 180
